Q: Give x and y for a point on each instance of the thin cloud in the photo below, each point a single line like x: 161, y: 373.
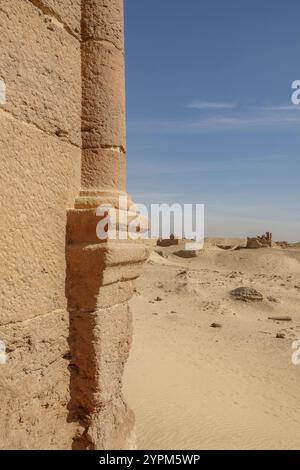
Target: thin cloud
x: 151, y: 169
x: 283, y: 107
x: 211, y: 105
x: 260, y: 121
x: 156, y: 195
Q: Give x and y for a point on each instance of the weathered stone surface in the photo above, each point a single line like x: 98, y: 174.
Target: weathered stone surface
x: 40, y: 157
x: 100, y: 343
x: 104, y: 168
x: 34, y: 384
x: 124, y: 273
x: 64, y: 313
x: 92, y: 268
x: 100, y: 338
x: 103, y: 95
x: 65, y: 12
x: 41, y: 69
x: 39, y: 178
x: 116, y: 434
x: 82, y: 225
x: 103, y: 20
x: 93, y: 198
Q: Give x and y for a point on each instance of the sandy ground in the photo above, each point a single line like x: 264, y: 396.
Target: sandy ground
x: 197, y: 387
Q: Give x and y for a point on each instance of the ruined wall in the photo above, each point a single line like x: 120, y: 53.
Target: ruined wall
x: 40, y: 153
x: 64, y: 316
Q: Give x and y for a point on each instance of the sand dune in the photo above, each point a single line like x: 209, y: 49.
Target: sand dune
x: 197, y: 387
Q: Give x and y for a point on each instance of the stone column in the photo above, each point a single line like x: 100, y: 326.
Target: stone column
x: 103, y: 98
x: 100, y: 273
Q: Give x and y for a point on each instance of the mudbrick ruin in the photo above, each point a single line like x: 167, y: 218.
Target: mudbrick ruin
x: 263, y: 241
x: 64, y: 319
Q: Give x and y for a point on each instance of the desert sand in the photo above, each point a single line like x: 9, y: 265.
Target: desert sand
x: 234, y: 386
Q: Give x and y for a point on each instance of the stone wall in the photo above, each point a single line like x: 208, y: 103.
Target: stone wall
x: 41, y: 154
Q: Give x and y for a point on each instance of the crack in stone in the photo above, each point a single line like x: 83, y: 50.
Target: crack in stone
x: 11, y: 115
x: 27, y: 320
x: 101, y: 41
x: 114, y: 148
x: 50, y: 12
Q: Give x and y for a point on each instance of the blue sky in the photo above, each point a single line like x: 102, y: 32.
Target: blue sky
x: 209, y: 114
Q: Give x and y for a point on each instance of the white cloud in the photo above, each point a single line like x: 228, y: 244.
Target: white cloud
x: 283, y: 107
x: 211, y: 105
x: 259, y: 120
x: 186, y: 166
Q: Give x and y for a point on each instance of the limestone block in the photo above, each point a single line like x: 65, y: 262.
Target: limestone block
x: 100, y: 347
x: 34, y: 384
x: 104, y: 168
x: 82, y: 225
x: 66, y: 12
x: 40, y: 176
x: 123, y: 273
x: 100, y: 343
x: 92, y: 267
x: 103, y: 96
x: 40, y: 65
x: 120, y: 435
x: 103, y: 20
x: 93, y: 198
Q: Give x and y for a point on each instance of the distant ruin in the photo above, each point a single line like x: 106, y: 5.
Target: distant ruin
x: 263, y: 241
x: 172, y: 241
